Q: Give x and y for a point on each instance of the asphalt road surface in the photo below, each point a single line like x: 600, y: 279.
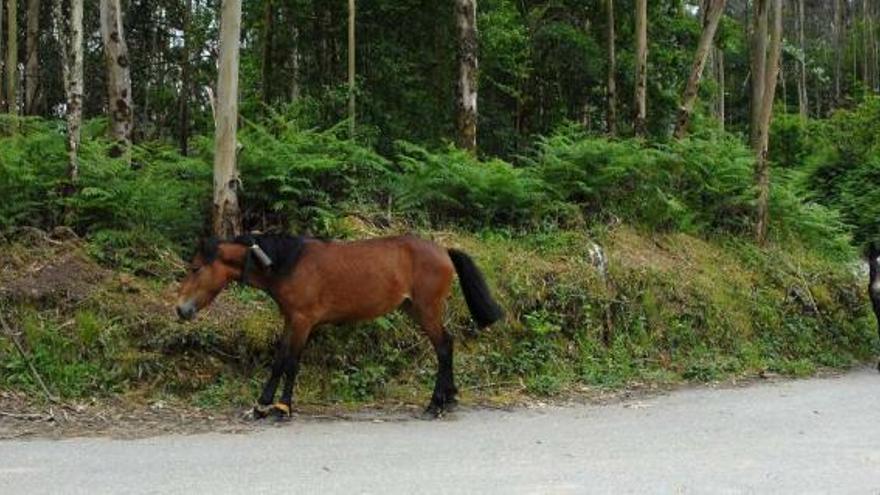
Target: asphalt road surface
x: 808, y: 436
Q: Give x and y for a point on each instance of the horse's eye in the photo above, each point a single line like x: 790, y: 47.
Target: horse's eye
x: 194, y: 269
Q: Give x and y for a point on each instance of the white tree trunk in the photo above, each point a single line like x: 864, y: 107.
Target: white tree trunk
x: 765, y: 113
x: 32, y: 63
x: 75, y: 91
x: 466, y: 21
x: 641, y: 34
x: 70, y: 38
x: 351, y: 68
x: 803, y: 102
x: 120, y: 108
x: 226, y: 214
x: 714, y: 11
x: 611, y: 86
x: 11, y: 55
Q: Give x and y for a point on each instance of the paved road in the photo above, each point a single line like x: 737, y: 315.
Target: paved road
x: 810, y: 436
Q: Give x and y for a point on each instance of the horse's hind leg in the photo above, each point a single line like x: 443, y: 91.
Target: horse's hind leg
x: 430, y: 318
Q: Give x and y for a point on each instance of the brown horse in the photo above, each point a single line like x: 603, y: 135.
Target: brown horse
x: 316, y: 282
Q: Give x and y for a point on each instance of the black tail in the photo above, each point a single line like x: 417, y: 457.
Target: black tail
x: 483, y: 308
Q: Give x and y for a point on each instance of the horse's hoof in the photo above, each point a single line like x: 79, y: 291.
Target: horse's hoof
x: 280, y: 412
x: 450, y: 405
x: 261, y: 412
x: 433, y: 411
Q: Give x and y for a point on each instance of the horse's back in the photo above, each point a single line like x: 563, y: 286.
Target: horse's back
x: 356, y: 280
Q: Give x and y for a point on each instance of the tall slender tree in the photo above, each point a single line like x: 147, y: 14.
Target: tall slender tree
x: 185, y: 84
x: 351, y: 68
x: 2, y: 92
x: 32, y: 62
x: 11, y: 55
x: 466, y: 20
x: 268, y: 35
x: 641, y: 34
x: 838, y: 48
x: 117, y: 61
x: 722, y: 88
x: 226, y: 213
x: 70, y: 38
x: 803, y: 103
x: 611, y: 86
x: 714, y: 9
x: 762, y: 103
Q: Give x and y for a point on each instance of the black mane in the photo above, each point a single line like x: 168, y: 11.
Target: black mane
x: 284, y: 250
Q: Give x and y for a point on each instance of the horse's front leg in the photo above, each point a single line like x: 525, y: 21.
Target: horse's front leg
x: 282, y: 351
x: 296, y: 341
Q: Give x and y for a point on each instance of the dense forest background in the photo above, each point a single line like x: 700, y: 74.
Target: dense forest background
x: 722, y: 155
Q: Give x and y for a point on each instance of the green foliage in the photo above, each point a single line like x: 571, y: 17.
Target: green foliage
x: 300, y: 178
x: 452, y: 185
x: 693, y: 185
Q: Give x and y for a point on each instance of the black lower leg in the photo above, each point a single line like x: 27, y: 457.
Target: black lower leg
x: 291, y: 368
x: 444, y: 388
x: 281, y: 355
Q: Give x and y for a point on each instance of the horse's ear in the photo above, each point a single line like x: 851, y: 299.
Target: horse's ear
x: 208, y: 248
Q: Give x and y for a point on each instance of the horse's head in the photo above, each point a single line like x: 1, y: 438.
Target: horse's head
x: 211, y: 269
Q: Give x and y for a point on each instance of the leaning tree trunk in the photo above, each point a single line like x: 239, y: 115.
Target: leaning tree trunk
x: 715, y: 8
x: 226, y: 214
x: 351, y: 69
x: 765, y: 113
x: 32, y: 63
x: 466, y: 122
x: 611, y: 115
x: 803, y: 103
x: 641, y: 66
x: 758, y: 64
x: 118, y: 78
x: 11, y: 55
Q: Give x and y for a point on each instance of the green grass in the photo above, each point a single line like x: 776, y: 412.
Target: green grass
x: 682, y: 309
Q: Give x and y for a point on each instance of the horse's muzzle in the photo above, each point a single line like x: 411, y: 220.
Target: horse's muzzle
x: 186, y: 311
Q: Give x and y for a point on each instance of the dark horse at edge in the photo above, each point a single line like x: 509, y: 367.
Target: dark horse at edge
x: 318, y: 282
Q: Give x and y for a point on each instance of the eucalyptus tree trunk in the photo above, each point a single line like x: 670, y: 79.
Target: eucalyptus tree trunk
x: 268, y: 28
x: 758, y: 64
x: 351, y: 68
x: 763, y: 104
x: 714, y: 11
x: 226, y: 213
x: 120, y: 108
x: 611, y: 115
x: 11, y: 55
x: 295, y: 57
x: 2, y: 93
x: 866, y: 62
x: 466, y: 121
x: 641, y: 33
x: 838, y: 48
x: 32, y: 63
x: 803, y: 103
x: 70, y: 38
x: 719, y: 63
x: 185, y: 84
